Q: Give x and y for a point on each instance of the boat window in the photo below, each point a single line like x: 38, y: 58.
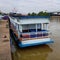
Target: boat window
x: 16, y: 26
x: 20, y: 28
x: 25, y: 28
x: 32, y: 28
x: 45, y: 26
x: 38, y: 27
x: 29, y: 28
x: 18, y: 19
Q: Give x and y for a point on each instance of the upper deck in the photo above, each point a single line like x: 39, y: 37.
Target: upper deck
x: 31, y: 27
x: 31, y: 31
x: 30, y: 20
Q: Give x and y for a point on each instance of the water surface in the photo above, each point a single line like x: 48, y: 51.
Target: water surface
x: 41, y: 52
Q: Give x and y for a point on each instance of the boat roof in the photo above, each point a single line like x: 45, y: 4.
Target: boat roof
x: 31, y: 17
x: 30, y: 21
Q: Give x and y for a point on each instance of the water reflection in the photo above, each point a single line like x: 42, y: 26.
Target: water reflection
x: 42, y: 52
x: 30, y: 53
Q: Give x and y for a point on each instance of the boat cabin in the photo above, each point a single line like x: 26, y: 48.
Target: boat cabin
x: 31, y: 31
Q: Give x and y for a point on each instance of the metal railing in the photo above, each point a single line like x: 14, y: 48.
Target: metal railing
x: 35, y: 35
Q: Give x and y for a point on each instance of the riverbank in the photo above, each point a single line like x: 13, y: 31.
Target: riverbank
x: 5, y: 53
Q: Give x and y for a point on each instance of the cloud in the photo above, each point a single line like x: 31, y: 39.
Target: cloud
x: 25, y: 6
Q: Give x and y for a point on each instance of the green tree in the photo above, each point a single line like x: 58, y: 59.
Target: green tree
x: 29, y: 14
x: 46, y: 14
x: 33, y: 14
x: 40, y: 13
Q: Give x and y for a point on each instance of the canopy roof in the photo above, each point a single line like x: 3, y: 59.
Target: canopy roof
x: 29, y: 17
x: 30, y: 21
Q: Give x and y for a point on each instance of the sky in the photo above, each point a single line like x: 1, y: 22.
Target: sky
x: 26, y: 6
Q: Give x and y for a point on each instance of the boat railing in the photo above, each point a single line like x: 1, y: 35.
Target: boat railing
x: 35, y: 35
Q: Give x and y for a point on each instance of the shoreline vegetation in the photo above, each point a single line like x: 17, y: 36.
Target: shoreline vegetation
x: 28, y: 15
x: 31, y: 14
x: 41, y: 13
x: 38, y: 14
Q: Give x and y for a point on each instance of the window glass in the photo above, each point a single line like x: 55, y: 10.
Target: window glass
x: 29, y: 28
x: 38, y: 27
x: 45, y: 26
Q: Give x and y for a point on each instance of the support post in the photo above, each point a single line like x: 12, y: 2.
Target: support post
x: 36, y: 30
x: 42, y: 26
x: 42, y: 29
x: 18, y: 32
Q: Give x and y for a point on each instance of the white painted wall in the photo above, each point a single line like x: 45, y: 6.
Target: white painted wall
x: 34, y: 21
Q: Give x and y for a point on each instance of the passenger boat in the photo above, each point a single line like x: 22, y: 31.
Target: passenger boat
x: 30, y: 30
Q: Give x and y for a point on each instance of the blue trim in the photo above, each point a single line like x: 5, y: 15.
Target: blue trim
x: 26, y: 45
x: 29, y: 17
x: 37, y: 31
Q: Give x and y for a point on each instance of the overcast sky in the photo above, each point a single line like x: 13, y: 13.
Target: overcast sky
x: 25, y: 6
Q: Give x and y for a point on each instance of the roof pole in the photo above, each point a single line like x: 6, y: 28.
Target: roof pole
x: 18, y: 32
x: 36, y: 30
x: 42, y: 26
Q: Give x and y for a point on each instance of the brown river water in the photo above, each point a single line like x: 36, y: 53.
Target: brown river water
x: 41, y: 52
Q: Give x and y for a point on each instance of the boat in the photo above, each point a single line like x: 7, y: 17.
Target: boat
x: 30, y: 30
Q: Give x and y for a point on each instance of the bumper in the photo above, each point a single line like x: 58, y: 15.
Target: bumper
x: 35, y: 42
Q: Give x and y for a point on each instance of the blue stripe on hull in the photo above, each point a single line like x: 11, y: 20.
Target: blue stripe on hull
x: 26, y: 45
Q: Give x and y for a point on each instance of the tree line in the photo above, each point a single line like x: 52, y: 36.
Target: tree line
x: 38, y: 14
